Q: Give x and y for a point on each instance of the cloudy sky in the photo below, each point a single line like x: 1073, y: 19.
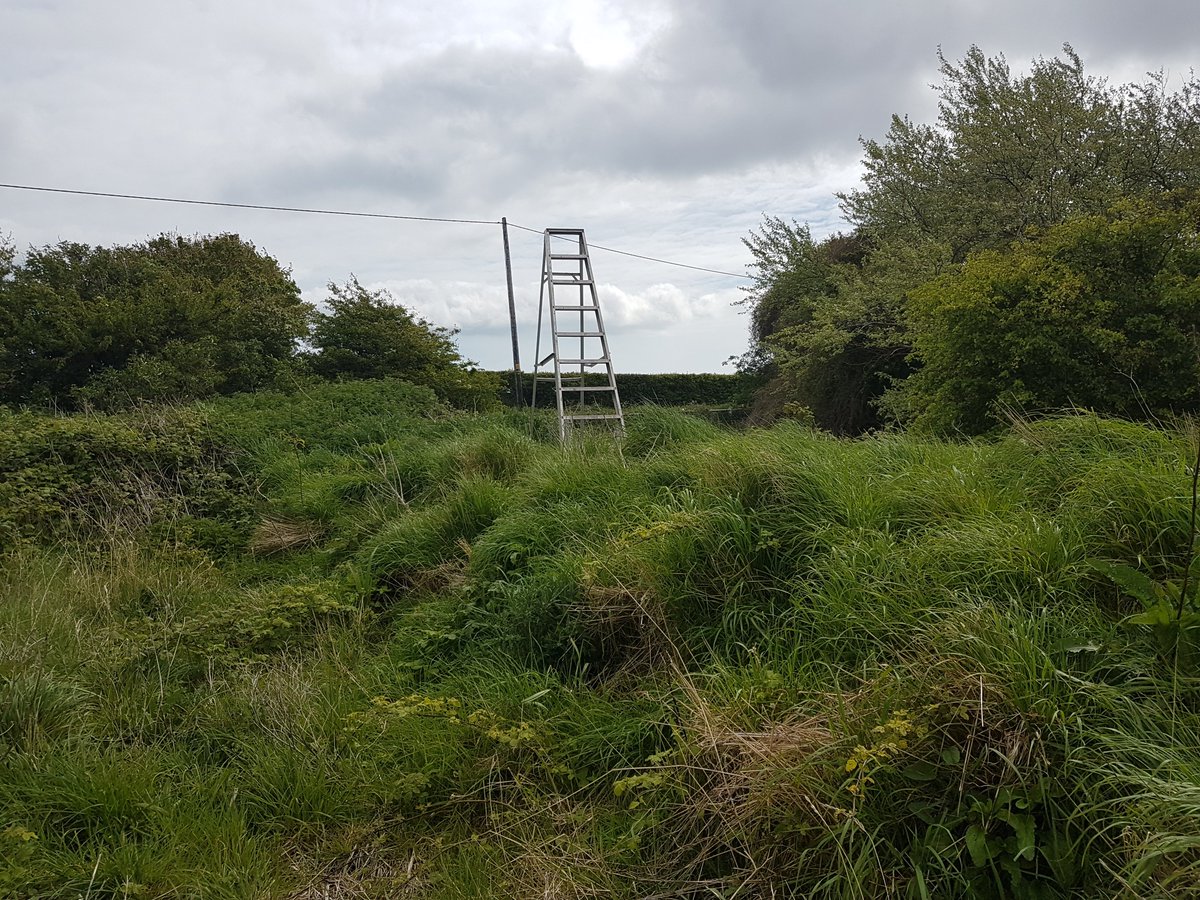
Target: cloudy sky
x: 663, y: 127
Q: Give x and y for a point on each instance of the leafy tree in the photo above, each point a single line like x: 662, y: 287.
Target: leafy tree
x: 789, y: 271
x: 855, y: 344
x: 1100, y: 312
x: 1007, y: 156
x: 827, y: 323
x: 8, y: 253
x: 171, y: 318
x: 1013, y: 151
x: 368, y: 334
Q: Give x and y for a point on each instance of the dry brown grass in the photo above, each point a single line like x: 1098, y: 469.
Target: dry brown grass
x: 281, y: 535
x: 358, y: 863
x: 628, y: 629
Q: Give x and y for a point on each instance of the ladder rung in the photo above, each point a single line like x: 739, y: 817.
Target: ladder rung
x: 602, y: 361
x: 571, y: 282
x: 579, y: 418
x: 564, y: 231
x: 576, y: 308
x: 581, y: 334
x: 568, y: 256
x: 589, y: 387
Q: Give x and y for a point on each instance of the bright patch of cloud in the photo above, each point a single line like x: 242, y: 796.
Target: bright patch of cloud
x: 606, y: 36
x: 660, y: 305
x: 459, y: 304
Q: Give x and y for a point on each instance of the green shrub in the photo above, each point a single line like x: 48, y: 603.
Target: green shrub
x: 339, y: 416
x: 76, y: 475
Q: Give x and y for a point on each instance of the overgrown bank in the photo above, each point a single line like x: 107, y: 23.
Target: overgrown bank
x: 434, y: 655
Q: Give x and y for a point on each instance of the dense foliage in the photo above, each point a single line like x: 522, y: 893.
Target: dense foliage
x: 367, y: 334
x: 168, y: 319
x: 451, y: 658
x: 85, y: 477
x: 182, y: 318
x: 1101, y: 312
x: 1009, y: 156
x: 1010, y: 151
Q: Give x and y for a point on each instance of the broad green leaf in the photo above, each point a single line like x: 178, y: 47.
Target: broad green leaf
x: 921, y: 770
x: 1136, y: 584
x: 978, y: 845
x: 1158, y: 615
x: 1024, y: 828
x: 923, y: 810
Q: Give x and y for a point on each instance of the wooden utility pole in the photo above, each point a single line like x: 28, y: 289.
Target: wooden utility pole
x: 518, y: 392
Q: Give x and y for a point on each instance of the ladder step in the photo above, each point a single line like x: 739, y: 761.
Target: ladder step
x: 602, y: 361
x: 564, y: 231
x: 562, y: 334
x: 573, y: 388
x: 580, y: 418
x: 568, y: 256
x: 571, y: 282
x: 577, y: 308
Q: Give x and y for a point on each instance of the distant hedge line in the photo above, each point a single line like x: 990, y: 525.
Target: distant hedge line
x: 670, y: 389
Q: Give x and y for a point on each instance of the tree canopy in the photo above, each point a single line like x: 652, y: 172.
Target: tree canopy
x: 1009, y: 151
x: 185, y: 317
x: 1100, y: 312
x: 171, y: 318
x: 837, y: 324
x: 369, y: 334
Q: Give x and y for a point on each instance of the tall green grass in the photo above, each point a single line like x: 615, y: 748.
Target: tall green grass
x: 457, y: 660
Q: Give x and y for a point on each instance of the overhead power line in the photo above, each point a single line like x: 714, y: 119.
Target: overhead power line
x: 295, y: 209
x: 351, y: 213
x: 665, y: 262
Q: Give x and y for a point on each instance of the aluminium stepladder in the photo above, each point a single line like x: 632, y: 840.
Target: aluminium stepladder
x: 569, y: 290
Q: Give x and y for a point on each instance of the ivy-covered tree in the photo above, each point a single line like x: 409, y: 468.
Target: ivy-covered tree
x: 172, y: 318
x: 826, y: 331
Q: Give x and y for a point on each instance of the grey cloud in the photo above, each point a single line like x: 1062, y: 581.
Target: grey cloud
x: 512, y: 116
x: 726, y: 86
